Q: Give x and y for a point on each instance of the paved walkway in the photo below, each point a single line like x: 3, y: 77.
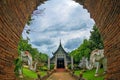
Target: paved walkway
x: 61, y: 75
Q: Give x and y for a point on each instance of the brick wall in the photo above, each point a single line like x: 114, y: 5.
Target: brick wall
x: 106, y: 14
x: 14, y: 14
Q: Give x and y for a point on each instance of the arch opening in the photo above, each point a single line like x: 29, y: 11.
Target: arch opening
x: 104, y: 22
x: 40, y: 13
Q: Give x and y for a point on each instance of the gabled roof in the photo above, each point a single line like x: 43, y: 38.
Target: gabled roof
x: 60, y: 48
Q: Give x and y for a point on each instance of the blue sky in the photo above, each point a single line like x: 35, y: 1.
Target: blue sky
x: 59, y: 19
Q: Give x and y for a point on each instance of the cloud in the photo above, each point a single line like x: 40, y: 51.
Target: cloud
x: 42, y: 42
x: 73, y: 43
x: 59, y: 19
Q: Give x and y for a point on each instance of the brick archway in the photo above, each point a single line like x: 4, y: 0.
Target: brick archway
x: 14, y: 14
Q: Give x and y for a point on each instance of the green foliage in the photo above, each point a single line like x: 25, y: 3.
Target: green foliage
x: 43, y: 73
x: 29, y: 20
x: 36, y: 55
x: 18, y: 65
x: 95, y: 42
x: 24, y: 45
x: 82, y: 50
x: 41, y: 57
x: 89, y: 74
x: 29, y: 73
x: 43, y: 68
x: 51, y: 66
x: 69, y: 66
x: 96, y: 39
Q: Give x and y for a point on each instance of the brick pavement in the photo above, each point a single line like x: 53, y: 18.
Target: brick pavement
x: 61, y: 75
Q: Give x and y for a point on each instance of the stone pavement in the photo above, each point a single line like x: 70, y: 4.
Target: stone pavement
x: 61, y: 75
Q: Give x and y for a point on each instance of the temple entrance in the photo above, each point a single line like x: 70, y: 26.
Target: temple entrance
x: 60, y: 63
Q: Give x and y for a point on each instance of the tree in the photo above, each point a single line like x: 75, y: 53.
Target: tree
x: 23, y: 45
x: 96, y: 39
x: 94, y: 42
x: 41, y: 57
x: 18, y: 65
x: 82, y: 50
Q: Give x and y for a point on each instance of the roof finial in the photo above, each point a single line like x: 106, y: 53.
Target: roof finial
x: 60, y: 42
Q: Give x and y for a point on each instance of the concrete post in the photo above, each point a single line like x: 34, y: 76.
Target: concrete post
x: 65, y: 62
x: 55, y: 62
x: 48, y: 63
x: 72, y: 63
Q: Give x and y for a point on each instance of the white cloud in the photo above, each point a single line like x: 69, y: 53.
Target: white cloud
x: 59, y: 19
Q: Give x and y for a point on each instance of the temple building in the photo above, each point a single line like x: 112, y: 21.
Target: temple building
x: 60, y: 58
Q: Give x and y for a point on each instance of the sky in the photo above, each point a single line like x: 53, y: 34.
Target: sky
x: 57, y: 20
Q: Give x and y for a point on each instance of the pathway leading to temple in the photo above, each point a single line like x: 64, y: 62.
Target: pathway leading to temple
x: 60, y: 75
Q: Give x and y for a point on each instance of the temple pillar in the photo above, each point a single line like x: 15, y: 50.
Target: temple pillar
x: 48, y: 63
x: 55, y: 62
x: 65, y: 62
x: 72, y: 63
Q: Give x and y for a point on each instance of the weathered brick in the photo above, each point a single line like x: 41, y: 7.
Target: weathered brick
x: 14, y: 14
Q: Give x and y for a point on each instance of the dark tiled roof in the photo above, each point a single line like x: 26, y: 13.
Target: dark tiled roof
x: 60, y: 48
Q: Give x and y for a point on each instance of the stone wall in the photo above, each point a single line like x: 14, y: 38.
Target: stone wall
x: 14, y: 14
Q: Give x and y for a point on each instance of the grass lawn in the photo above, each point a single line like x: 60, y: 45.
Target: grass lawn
x: 31, y: 74
x: 28, y: 73
x: 89, y: 74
